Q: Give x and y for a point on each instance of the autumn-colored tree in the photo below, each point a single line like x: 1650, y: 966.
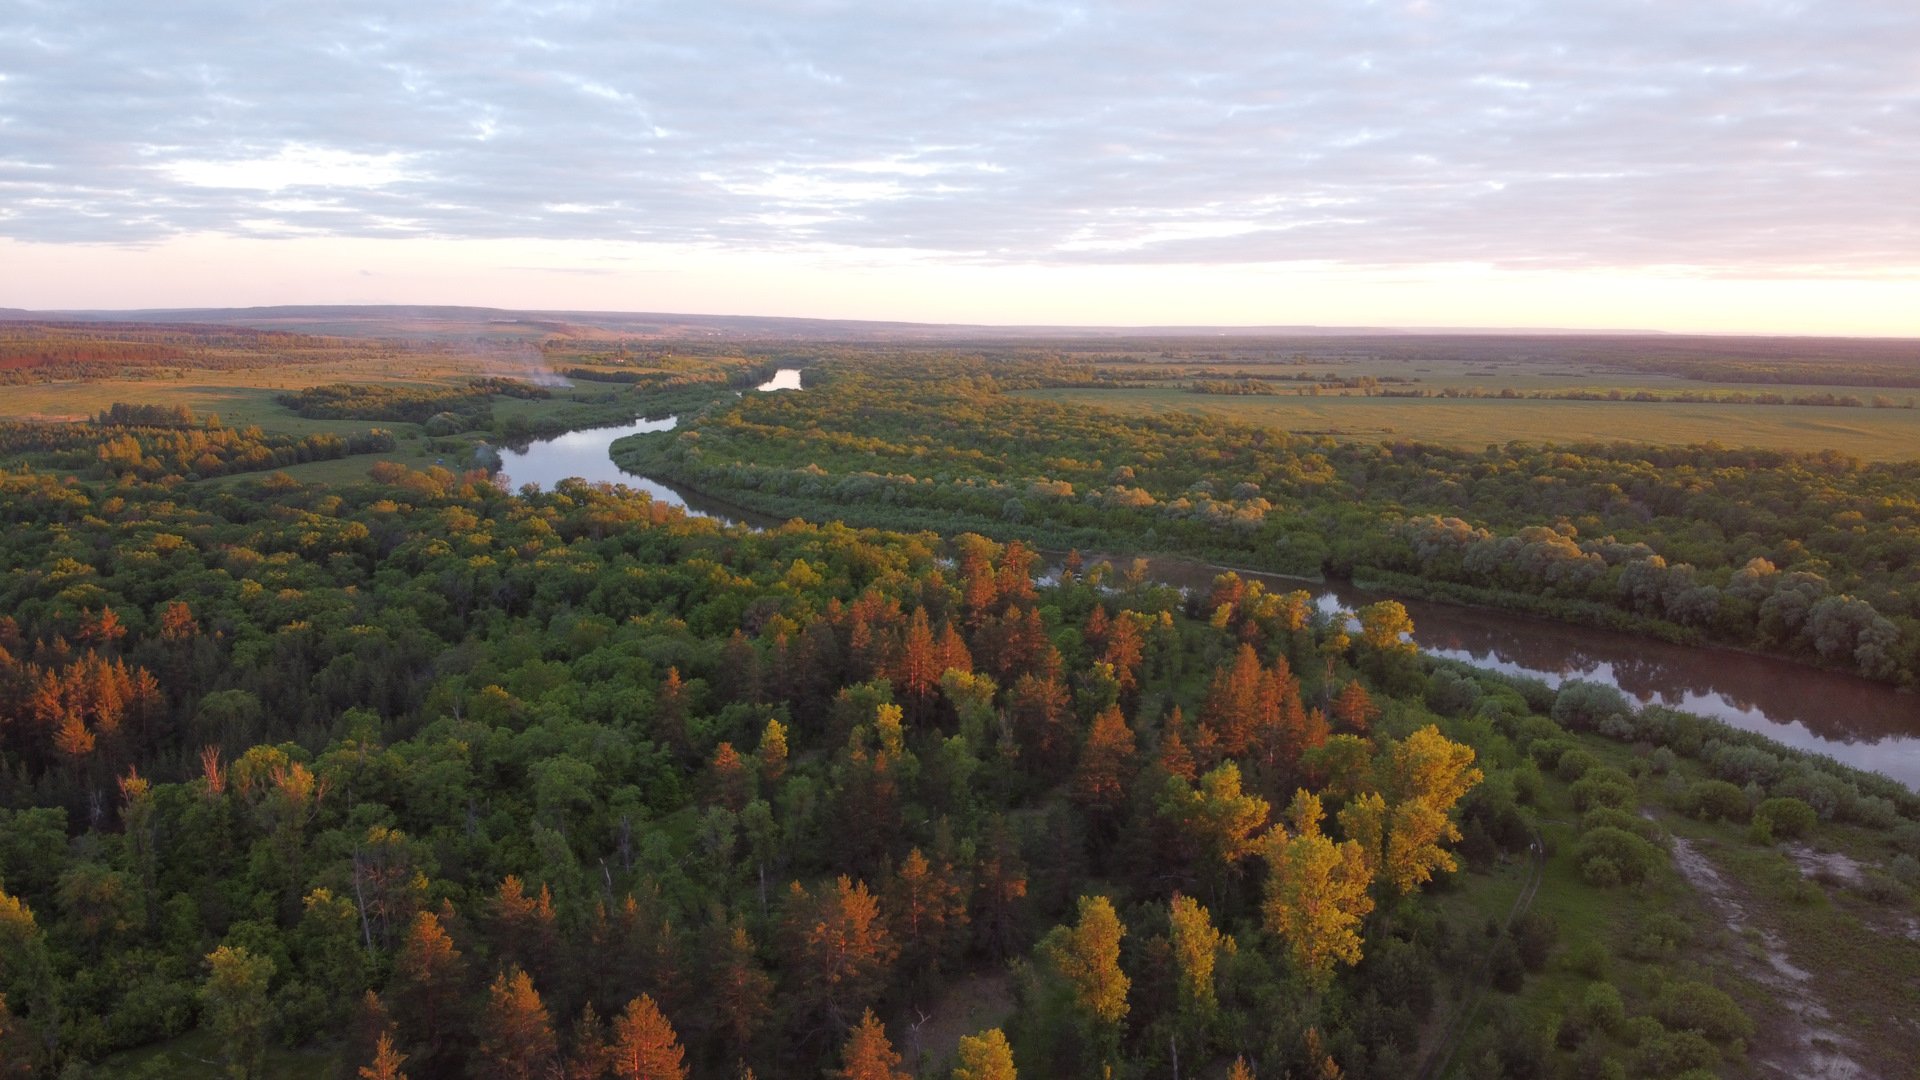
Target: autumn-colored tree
x: 1218, y: 820
x: 1232, y: 705
x: 1087, y: 956
x: 1124, y: 649
x: 844, y: 946
x: 645, y: 1046
x: 773, y: 753
x: 1039, y: 706
x: 1386, y: 627
x: 1402, y: 830
x: 1014, y: 582
x: 1196, y: 946
x: 670, y: 715
x: 1175, y: 759
x: 1353, y: 707
x: 1240, y: 1070
x: 177, y: 622
x: 1106, y: 762
x: 868, y: 1054
x: 986, y: 1056
x: 926, y: 909
x: 427, y: 981
x: 915, y: 668
x: 950, y: 652
x: 524, y: 926
x: 729, y: 779
x: 516, y: 1039
x: 386, y: 1061
x: 1316, y: 892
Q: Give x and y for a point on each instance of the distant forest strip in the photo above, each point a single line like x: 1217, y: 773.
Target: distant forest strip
x: 412, y: 404
x: 1814, y: 556
x: 118, y: 450
x: 1643, y: 397
x: 39, y: 351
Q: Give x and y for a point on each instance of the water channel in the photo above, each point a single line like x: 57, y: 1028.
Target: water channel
x: 1856, y: 721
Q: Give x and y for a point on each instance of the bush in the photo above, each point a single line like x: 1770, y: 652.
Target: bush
x: 1609, y: 856
x: 1581, y: 705
x: 1660, y: 936
x: 1715, y: 800
x: 1605, y: 787
x: 1872, y: 811
x: 1662, y: 761
x: 1698, y: 1006
x: 1673, y: 1052
x: 1784, y: 818
x: 1602, y: 1007
x: 1575, y: 764
x: 1613, y: 817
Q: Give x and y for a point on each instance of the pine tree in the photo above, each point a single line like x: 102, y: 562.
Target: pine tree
x: 868, y: 1055
x: 516, y: 1037
x: 386, y: 1062
x: 645, y: 1046
x: 1105, y: 763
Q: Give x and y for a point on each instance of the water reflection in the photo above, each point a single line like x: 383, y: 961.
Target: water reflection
x: 586, y: 455
x: 786, y: 378
x: 1856, y: 721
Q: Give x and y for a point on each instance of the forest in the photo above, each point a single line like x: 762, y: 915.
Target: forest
x: 1811, y: 555
x: 387, y: 771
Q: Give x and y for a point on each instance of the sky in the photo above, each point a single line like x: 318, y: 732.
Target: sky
x: 1717, y: 165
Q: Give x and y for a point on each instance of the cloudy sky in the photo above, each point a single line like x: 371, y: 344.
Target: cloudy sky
x: 1685, y: 164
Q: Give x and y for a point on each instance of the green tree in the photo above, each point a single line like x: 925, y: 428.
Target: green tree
x: 235, y: 1009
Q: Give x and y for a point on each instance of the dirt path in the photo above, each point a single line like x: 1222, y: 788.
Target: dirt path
x: 1802, y: 1043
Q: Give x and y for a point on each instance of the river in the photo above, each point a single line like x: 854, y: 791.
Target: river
x: 1856, y: 721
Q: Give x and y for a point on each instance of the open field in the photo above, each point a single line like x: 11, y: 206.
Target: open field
x: 1866, y: 433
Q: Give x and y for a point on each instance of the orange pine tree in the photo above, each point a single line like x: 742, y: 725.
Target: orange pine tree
x: 1105, y: 762
x: 868, y: 1055
x: 645, y: 1046
x: 516, y: 1037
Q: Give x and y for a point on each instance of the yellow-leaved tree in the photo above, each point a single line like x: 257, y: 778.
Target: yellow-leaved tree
x: 1316, y: 891
x: 1402, y: 826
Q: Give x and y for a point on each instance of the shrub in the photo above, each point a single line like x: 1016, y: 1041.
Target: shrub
x: 1581, y: 705
x: 1610, y: 856
x: 1662, y: 761
x: 1872, y: 811
x: 1605, y: 787
x: 1613, y: 817
x: 1673, y: 1052
x: 1715, y: 800
x: 1698, y: 1006
x: 1784, y: 818
x: 1602, y: 1006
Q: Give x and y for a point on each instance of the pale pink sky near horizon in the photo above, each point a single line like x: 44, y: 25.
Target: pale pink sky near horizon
x: 1716, y: 166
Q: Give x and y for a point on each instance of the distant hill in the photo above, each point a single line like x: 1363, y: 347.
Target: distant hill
x: 439, y: 321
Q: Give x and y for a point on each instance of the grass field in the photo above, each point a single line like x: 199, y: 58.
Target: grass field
x: 1866, y: 433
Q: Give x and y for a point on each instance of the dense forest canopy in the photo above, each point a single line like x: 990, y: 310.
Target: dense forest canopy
x: 410, y: 775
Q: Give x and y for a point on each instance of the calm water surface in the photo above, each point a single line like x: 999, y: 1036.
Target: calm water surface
x: 1862, y: 723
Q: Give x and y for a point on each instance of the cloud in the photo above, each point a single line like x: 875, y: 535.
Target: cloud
x: 1736, y: 136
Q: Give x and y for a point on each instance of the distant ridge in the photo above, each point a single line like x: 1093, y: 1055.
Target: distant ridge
x: 407, y: 320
